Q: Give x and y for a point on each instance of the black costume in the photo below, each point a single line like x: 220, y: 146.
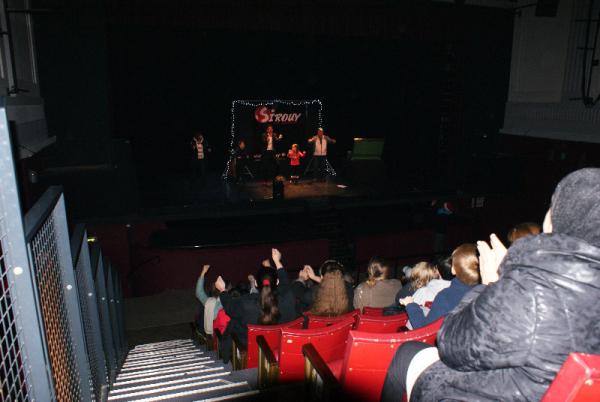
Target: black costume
x: 246, y: 310
x: 240, y: 158
x: 268, y: 163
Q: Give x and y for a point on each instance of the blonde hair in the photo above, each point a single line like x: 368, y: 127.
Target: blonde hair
x: 466, y: 264
x: 331, y: 299
x: 378, y: 271
x: 422, y: 273
x: 522, y: 230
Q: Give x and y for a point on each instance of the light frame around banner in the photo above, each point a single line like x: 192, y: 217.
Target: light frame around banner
x: 255, y: 103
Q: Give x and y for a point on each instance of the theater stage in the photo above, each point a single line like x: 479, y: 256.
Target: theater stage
x: 258, y: 190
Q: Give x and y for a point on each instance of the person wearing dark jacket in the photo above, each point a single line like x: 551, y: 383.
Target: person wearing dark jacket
x: 509, y: 337
x: 465, y: 265
x: 273, y: 304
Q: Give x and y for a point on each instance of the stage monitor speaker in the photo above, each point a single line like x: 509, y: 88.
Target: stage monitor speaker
x: 367, y: 149
x: 546, y: 8
x: 278, y: 188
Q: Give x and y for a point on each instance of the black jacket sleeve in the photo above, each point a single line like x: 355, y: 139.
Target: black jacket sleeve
x: 492, y: 327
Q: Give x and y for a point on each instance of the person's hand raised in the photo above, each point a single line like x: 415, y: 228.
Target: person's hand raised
x: 490, y: 257
x: 205, y: 269
x: 220, y: 284
x: 311, y: 274
x: 276, y: 256
x: 303, y: 275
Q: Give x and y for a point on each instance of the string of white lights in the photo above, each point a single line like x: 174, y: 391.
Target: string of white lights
x: 255, y: 103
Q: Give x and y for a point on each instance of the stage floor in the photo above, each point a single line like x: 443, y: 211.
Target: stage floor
x: 258, y: 190
x: 176, y: 195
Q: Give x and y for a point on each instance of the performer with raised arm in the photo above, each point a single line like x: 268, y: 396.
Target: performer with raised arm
x: 319, y: 163
x: 268, y: 162
x: 295, y: 156
x: 200, y: 149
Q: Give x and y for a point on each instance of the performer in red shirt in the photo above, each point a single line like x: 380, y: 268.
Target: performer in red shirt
x: 295, y: 156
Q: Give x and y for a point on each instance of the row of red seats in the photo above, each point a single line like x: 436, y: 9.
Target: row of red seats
x: 279, y: 350
x: 361, y: 322
x: 351, y: 354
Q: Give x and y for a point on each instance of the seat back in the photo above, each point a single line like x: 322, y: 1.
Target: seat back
x: 383, y: 324
x: 272, y: 334
x: 319, y: 321
x: 369, y: 355
x: 329, y: 341
x: 376, y: 311
x: 577, y: 381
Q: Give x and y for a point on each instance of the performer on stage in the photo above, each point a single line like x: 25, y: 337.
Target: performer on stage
x: 295, y: 156
x: 200, y: 148
x: 268, y: 162
x: 319, y: 163
x: 241, y: 162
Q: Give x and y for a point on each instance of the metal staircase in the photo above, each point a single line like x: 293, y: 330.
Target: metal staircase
x: 177, y: 370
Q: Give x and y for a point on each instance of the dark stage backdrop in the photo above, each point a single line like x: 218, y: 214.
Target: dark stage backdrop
x: 295, y: 120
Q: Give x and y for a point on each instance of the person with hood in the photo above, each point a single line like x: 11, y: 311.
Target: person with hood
x: 538, y: 302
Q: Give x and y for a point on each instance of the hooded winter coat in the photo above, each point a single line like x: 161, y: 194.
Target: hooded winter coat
x: 508, y: 340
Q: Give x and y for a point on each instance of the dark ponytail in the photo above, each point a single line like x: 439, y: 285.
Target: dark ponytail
x: 267, y: 299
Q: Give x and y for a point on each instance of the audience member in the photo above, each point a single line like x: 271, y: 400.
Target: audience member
x: 444, y: 267
x: 419, y: 277
x: 308, y: 299
x: 522, y: 230
x: 211, y: 304
x: 331, y: 299
x: 538, y: 302
x: 427, y: 283
x: 274, y: 303
x: 465, y: 265
x: 377, y: 290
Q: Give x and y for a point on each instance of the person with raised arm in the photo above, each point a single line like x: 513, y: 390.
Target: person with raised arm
x: 319, y: 163
x: 268, y: 162
x: 294, y: 155
x: 273, y: 304
x: 211, y: 303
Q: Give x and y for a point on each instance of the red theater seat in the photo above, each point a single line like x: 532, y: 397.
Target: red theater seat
x: 365, y: 363
x: 577, y: 381
x: 383, y: 324
x: 377, y: 311
x: 330, y: 342
x: 318, y: 321
x: 271, y: 334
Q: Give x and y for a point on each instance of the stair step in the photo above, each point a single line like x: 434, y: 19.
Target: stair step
x: 179, y: 368
x: 215, y: 387
x: 164, y: 365
x: 159, y: 348
x: 163, y: 357
x: 141, y: 380
x: 167, y: 382
x: 158, y: 354
x: 164, y: 343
